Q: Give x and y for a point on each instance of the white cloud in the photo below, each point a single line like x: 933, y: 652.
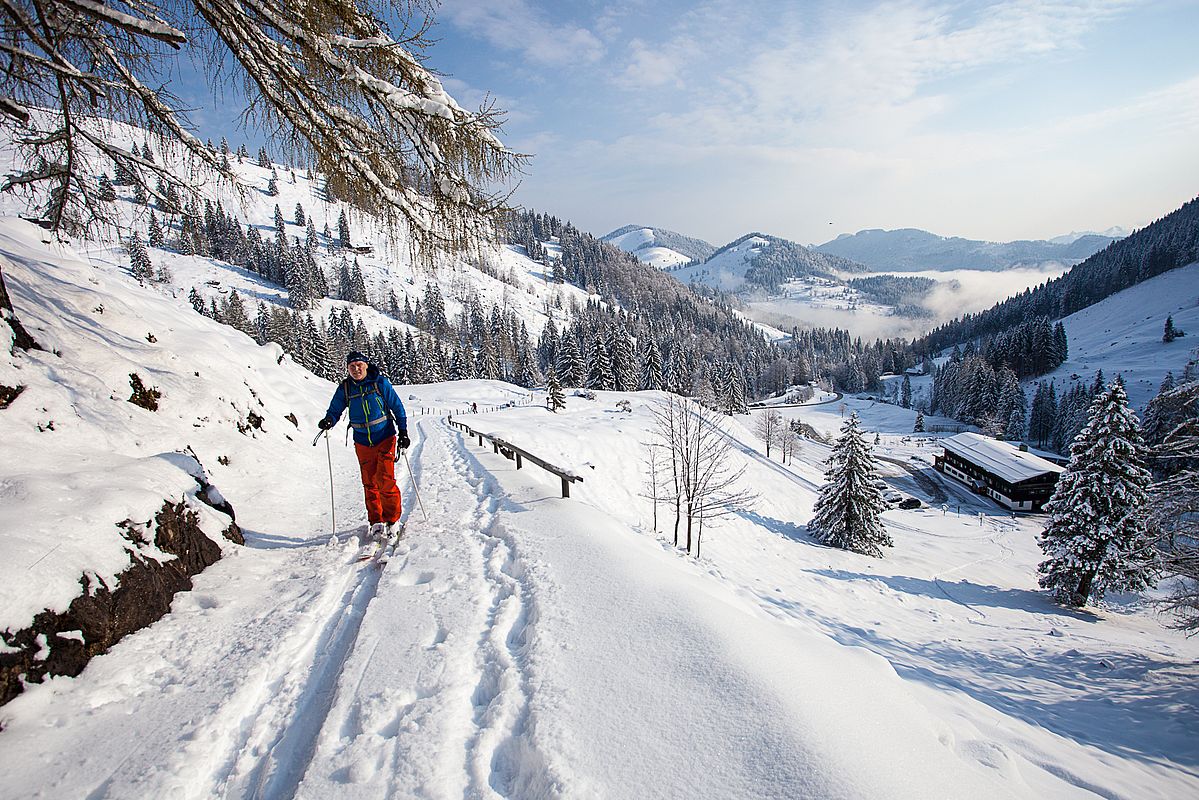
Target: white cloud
x: 653, y: 65
x: 516, y: 26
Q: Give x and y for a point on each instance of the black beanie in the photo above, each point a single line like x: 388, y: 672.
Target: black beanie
x: 354, y: 355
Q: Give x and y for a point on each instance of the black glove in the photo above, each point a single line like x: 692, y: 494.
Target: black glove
x: 405, y: 442
x: 325, y: 424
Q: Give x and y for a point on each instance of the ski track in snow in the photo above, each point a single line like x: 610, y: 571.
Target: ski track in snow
x: 401, y: 714
x: 501, y: 697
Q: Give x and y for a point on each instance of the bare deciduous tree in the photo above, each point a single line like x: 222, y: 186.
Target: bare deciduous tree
x: 789, y: 443
x: 704, y: 485
x: 769, y: 427
x: 1174, y: 508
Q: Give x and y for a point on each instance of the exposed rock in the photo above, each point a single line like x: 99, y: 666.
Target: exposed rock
x: 104, y: 615
x: 142, y: 396
x: 10, y: 393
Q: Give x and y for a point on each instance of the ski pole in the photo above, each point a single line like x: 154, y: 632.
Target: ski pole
x: 415, y: 490
x: 329, y: 455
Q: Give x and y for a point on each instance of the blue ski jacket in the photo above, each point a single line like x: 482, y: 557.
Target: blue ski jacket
x: 373, y: 405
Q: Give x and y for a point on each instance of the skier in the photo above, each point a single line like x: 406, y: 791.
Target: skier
x: 373, y: 405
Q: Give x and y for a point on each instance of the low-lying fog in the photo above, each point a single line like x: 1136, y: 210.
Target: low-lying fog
x: 957, y: 292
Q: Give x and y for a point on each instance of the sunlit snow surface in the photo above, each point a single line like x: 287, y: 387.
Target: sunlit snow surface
x: 518, y: 644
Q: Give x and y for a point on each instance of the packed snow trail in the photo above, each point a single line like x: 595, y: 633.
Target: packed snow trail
x: 501, y: 658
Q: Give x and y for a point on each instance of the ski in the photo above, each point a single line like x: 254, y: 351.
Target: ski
x: 383, y: 548
x: 392, y: 541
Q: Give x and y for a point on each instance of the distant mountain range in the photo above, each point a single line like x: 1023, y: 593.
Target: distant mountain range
x: 911, y: 250
x: 876, y: 250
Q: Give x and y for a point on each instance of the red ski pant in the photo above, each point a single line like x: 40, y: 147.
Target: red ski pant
x: 379, y: 480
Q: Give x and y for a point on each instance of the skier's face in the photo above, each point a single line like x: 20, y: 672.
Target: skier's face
x: 357, y: 370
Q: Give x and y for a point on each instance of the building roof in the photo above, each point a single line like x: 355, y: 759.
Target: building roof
x: 999, y: 458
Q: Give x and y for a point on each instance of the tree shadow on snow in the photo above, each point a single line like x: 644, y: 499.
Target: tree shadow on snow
x: 1141, y: 706
x: 788, y: 530
x: 966, y: 593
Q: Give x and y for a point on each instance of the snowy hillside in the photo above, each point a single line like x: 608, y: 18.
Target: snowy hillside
x: 1122, y: 335
x: 658, y: 247
x: 910, y: 249
x: 725, y: 270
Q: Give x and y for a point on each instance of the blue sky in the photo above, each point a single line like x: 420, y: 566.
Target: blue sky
x: 991, y: 120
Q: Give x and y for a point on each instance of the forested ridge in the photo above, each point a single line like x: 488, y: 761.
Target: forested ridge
x: 1168, y: 243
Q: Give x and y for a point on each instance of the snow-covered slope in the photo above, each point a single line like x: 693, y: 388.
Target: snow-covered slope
x: 1122, y: 335
x: 725, y: 270
x: 659, y: 247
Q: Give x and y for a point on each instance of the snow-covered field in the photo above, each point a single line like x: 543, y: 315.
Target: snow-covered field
x: 518, y: 644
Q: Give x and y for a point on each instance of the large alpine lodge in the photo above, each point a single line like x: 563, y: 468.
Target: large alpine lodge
x: 1009, y: 475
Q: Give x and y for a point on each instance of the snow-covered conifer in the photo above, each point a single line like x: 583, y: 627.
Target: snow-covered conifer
x: 599, y: 367
x: 556, y: 399
x: 848, y: 513
x: 568, y: 363
x: 154, y: 232
x: 1171, y: 333
x: 1097, y: 539
x: 651, y: 371
x: 139, y: 260
x: 107, y: 192
x: 343, y: 230
x: 919, y: 426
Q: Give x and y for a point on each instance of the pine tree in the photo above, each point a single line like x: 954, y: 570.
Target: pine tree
x: 280, y: 226
x: 300, y: 220
x: 919, y: 426
x: 155, y: 231
x: 234, y: 314
x: 107, y: 192
x: 556, y: 398
x: 310, y: 240
x: 651, y: 372
x: 1097, y: 539
x: 272, y: 185
x: 905, y: 393
x: 624, y: 370
x: 1170, y: 333
x: 599, y: 367
x: 848, y: 513
x: 343, y: 230
x: 196, y: 300
x: 139, y: 260
x: 568, y: 363
x: 358, y: 286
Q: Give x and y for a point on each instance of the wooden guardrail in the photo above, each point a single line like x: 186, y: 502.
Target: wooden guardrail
x: 511, y: 451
